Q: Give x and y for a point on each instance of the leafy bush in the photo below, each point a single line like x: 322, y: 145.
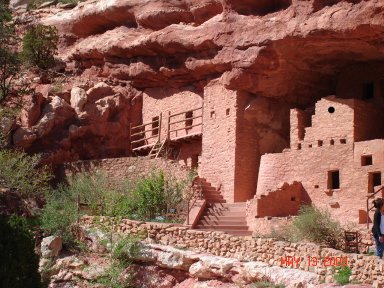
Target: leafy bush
x: 60, y: 211
x: 317, y: 226
x: 342, y: 275
x: 40, y: 46
x: 121, y: 255
x: 18, y: 262
x: 22, y: 172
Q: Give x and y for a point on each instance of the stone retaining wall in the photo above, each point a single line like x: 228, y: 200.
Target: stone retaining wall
x: 126, y: 167
x: 365, y: 269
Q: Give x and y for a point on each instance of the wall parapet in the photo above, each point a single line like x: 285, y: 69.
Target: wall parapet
x: 303, y: 256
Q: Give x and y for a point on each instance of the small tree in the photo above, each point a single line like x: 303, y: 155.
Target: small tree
x: 9, y: 60
x: 40, y: 46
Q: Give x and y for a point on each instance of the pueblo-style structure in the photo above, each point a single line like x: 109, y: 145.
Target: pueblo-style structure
x: 239, y: 90
x: 335, y: 159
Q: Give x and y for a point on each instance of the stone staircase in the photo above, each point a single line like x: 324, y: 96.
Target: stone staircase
x: 222, y: 216
x: 227, y: 217
x: 210, y: 193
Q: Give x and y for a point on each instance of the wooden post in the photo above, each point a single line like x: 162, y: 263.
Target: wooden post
x: 130, y: 135
x: 169, y: 126
x: 160, y: 120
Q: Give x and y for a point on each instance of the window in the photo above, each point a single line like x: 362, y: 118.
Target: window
x: 213, y: 115
x: 319, y: 143
x: 293, y: 198
x: 310, y: 146
x: 299, y: 146
x: 188, y: 119
x: 368, y: 90
x: 227, y: 112
x: 155, y: 126
x: 366, y: 160
x: 331, y: 109
x: 343, y: 141
x: 374, y: 179
x: 333, y: 179
x: 332, y: 142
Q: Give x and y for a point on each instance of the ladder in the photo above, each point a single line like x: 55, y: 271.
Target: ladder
x: 157, y: 149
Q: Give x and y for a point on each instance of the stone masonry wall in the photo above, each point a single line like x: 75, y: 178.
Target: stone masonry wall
x: 126, y: 168
x: 365, y: 269
x: 219, y: 138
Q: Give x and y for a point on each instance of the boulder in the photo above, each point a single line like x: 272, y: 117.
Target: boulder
x: 51, y: 246
x: 78, y: 99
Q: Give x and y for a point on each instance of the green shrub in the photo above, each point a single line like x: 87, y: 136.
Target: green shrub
x: 40, y: 46
x: 60, y: 211
x: 23, y: 173
x: 317, y: 226
x: 18, y: 262
x: 342, y: 275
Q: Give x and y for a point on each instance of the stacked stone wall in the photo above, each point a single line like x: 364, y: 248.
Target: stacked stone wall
x: 304, y: 256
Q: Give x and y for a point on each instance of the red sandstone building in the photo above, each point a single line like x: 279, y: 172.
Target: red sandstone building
x: 239, y: 145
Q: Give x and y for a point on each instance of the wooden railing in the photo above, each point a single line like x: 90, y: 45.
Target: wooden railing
x: 176, y: 128
x: 183, y: 124
x: 370, y: 208
x: 139, y: 134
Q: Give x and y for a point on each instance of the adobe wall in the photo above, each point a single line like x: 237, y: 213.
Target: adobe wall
x: 326, y: 125
x: 165, y: 100
x: 219, y: 138
x: 365, y: 269
x: 262, y: 127
x: 311, y: 166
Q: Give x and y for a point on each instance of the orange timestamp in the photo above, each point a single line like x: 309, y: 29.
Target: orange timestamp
x: 292, y: 261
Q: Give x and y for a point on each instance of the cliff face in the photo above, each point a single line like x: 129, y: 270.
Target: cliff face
x: 289, y: 50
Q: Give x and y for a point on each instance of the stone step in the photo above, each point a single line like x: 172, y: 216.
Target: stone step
x: 224, y: 218
x: 231, y: 222
x: 225, y: 213
x: 221, y: 227
x: 225, y: 209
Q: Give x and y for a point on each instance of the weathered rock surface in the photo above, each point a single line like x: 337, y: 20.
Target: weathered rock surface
x: 290, y: 51
x: 203, y: 266
x: 51, y: 246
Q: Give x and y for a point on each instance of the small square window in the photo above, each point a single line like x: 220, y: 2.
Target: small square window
x: 319, y: 143
x: 332, y: 142
x: 343, y: 141
x: 227, y: 112
x: 293, y: 198
x: 299, y: 146
x: 213, y: 115
x: 310, y: 145
x: 366, y: 160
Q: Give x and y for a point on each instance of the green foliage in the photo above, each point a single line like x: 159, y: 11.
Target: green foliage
x: 9, y: 58
x: 124, y: 250
x: 18, y: 262
x: 22, y: 172
x: 317, y: 226
x: 148, y: 197
x: 60, y: 212
x: 342, y: 275
x: 40, y: 46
